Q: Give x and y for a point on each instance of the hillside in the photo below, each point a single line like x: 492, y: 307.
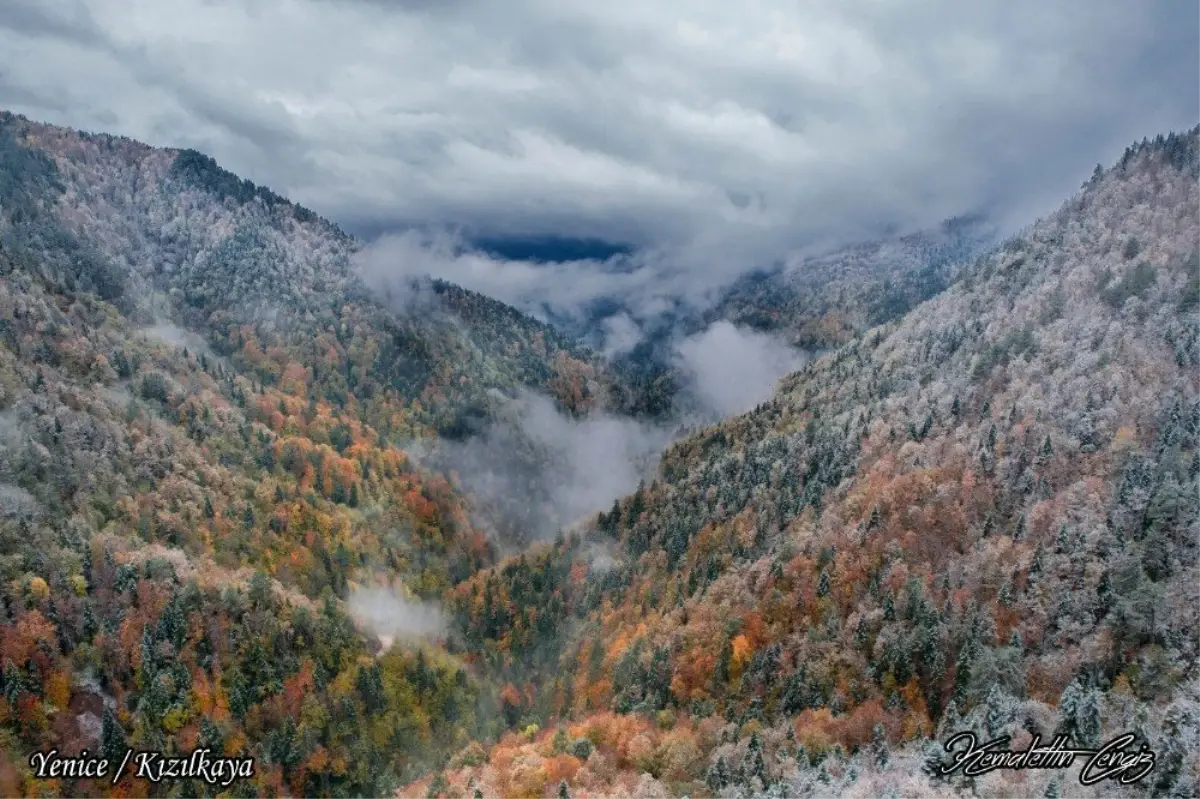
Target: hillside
x: 168, y: 235
x: 822, y: 302
x: 227, y: 482
x: 981, y: 516
x: 812, y: 303
x: 205, y: 428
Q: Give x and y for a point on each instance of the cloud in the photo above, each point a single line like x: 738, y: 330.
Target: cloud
x: 391, y: 616
x: 536, y: 470
x: 714, y: 138
x: 732, y: 369
x: 178, y: 337
x: 620, y: 333
x: 16, y: 502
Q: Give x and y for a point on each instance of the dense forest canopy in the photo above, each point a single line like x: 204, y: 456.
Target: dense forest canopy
x: 221, y: 525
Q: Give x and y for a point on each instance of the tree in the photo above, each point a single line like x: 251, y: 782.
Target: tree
x: 756, y: 765
x: 438, y: 786
x: 718, y: 775
x: 112, y: 738
x: 1079, y: 714
x: 879, y: 745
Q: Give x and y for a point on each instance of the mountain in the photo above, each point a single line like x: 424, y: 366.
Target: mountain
x: 824, y: 301
x: 235, y: 511
x: 209, y: 429
x: 980, y: 516
x: 812, y: 304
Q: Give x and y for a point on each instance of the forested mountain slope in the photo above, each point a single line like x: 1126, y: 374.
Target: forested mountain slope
x: 822, y: 302
x: 983, y: 515
x: 813, y: 303
x: 168, y: 235
x: 202, y: 415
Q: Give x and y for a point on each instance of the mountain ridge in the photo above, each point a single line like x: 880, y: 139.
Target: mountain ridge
x: 922, y: 532
x: 199, y: 537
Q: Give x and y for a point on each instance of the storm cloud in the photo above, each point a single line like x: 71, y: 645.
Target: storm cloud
x: 711, y: 137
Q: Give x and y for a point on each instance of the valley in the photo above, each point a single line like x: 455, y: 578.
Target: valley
x: 388, y: 535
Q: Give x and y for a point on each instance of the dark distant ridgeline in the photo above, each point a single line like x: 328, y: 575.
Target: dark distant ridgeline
x: 551, y: 249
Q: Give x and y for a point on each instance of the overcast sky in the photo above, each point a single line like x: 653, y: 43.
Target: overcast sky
x: 720, y: 135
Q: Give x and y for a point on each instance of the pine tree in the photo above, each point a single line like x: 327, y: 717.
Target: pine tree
x: 718, y: 775
x: 756, y: 765
x: 880, y: 746
x: 962, y: 671
x: 949, y: 722
x: 997, y: 711
x: 1087, y: 718
x: 1062, y: 543
x: 112, y: 739
x: 563, y: 793
x: 438, y: 786
x: 1035, y: 568
x: 1022, y: 528
x: 721, y: 672
x: 1069, y: 707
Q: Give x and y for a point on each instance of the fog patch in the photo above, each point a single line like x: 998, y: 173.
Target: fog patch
x: 600, y: 560
x: 177, y: 337
x: 11, y: 428
x: 731, y: 369
x: 17, y: 503
x: 535, y: 470
x: 620, y: 335
x: 391, y: 616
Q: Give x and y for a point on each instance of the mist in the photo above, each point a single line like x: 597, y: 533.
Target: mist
x: 731, y: 369
x: 535, y: 470
x: 177, y: 336
x: 391, y: 616
x: 643, y: 285
x: 531, y: 469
